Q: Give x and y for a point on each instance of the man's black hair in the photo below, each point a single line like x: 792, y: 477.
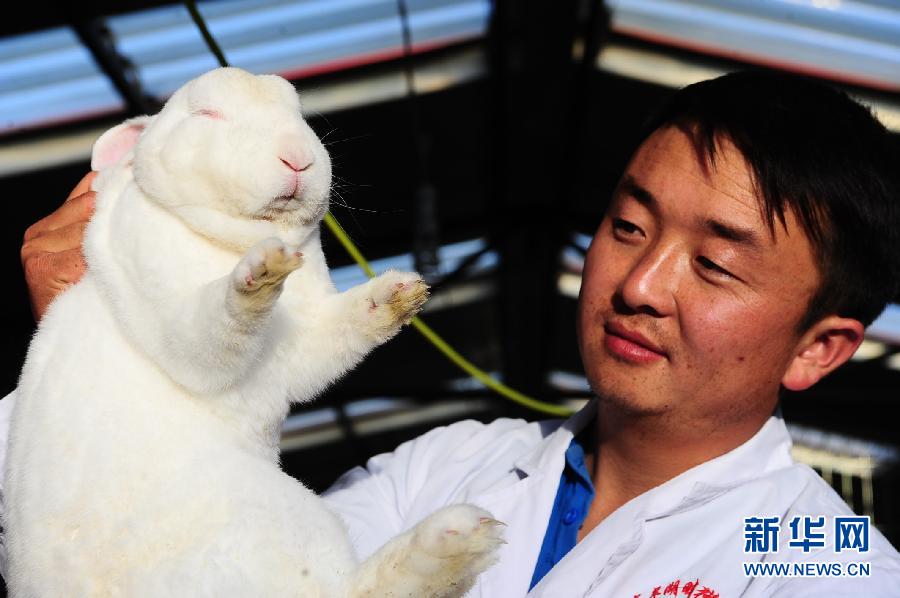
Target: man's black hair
x: 815, y: 151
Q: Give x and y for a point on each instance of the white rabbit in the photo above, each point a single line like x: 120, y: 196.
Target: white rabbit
x: 143, y: 455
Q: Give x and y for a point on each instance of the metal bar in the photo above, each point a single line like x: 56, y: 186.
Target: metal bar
x: 96, y: 37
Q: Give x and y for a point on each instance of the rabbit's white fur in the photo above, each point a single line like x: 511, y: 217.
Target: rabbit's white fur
x: 143, y: 455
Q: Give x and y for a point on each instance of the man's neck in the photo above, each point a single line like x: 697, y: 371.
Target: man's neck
x: 629, y: 454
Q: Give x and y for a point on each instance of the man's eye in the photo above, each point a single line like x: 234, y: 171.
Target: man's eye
x: 625, y: 228
x: 710, y: 265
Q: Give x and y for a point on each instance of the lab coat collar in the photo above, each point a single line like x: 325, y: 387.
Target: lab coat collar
x: 546, y: 454
x: 766, y: 451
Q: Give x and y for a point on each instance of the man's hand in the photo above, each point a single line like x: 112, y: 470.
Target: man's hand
x: 51, y: 250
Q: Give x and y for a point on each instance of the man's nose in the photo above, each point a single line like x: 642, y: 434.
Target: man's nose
x: 650, y: 285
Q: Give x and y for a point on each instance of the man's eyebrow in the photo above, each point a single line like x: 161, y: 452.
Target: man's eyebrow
x: 630, y: 186
x: 742, y: 236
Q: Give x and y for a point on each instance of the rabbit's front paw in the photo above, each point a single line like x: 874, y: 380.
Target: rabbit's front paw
x: 390, y: 301
x: 264, y: 267
x: 462, y: 540
x: 459, y: 530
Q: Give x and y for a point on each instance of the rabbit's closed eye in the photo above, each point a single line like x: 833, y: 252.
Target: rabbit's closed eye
x: 209, y: 112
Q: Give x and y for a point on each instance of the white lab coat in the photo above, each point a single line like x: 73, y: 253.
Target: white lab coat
x: 689, y: 529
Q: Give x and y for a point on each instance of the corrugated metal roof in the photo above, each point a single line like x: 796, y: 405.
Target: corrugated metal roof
x: 49, y: 77
x: 857, y: 41
x: 289, y: 38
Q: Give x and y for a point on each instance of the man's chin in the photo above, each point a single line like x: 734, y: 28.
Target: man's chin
x: 629, y: 403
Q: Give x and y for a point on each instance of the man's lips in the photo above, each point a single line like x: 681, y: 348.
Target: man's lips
x: 631, y: 345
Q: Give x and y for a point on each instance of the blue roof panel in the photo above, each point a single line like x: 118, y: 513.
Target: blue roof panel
x: 49, y: 77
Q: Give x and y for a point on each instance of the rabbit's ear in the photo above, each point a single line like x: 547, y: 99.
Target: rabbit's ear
x: 117, y: 142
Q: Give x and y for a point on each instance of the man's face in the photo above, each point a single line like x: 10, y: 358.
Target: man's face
x: 689, y: 305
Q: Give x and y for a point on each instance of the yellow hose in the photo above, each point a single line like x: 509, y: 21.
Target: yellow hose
x: 442, y: 346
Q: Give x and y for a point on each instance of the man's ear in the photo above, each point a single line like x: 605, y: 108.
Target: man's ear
x: 827, y: 345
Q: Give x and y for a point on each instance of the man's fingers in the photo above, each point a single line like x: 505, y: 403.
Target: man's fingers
x: 51, y: 249
x: 54, y: 271
x: 49, y: 274
x: 83, y: 186
x: 67, y: 266
x: 78, y: 209
x: 54, y: 241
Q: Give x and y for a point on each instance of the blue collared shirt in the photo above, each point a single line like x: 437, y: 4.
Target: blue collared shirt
x: 573, y: 498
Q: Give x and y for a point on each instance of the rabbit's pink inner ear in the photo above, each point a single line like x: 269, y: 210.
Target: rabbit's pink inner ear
x: 115, y: 143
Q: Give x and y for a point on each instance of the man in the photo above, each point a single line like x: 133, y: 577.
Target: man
x: 750, y: 240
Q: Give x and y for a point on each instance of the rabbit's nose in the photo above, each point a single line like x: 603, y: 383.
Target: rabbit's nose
x: 296, y: 164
